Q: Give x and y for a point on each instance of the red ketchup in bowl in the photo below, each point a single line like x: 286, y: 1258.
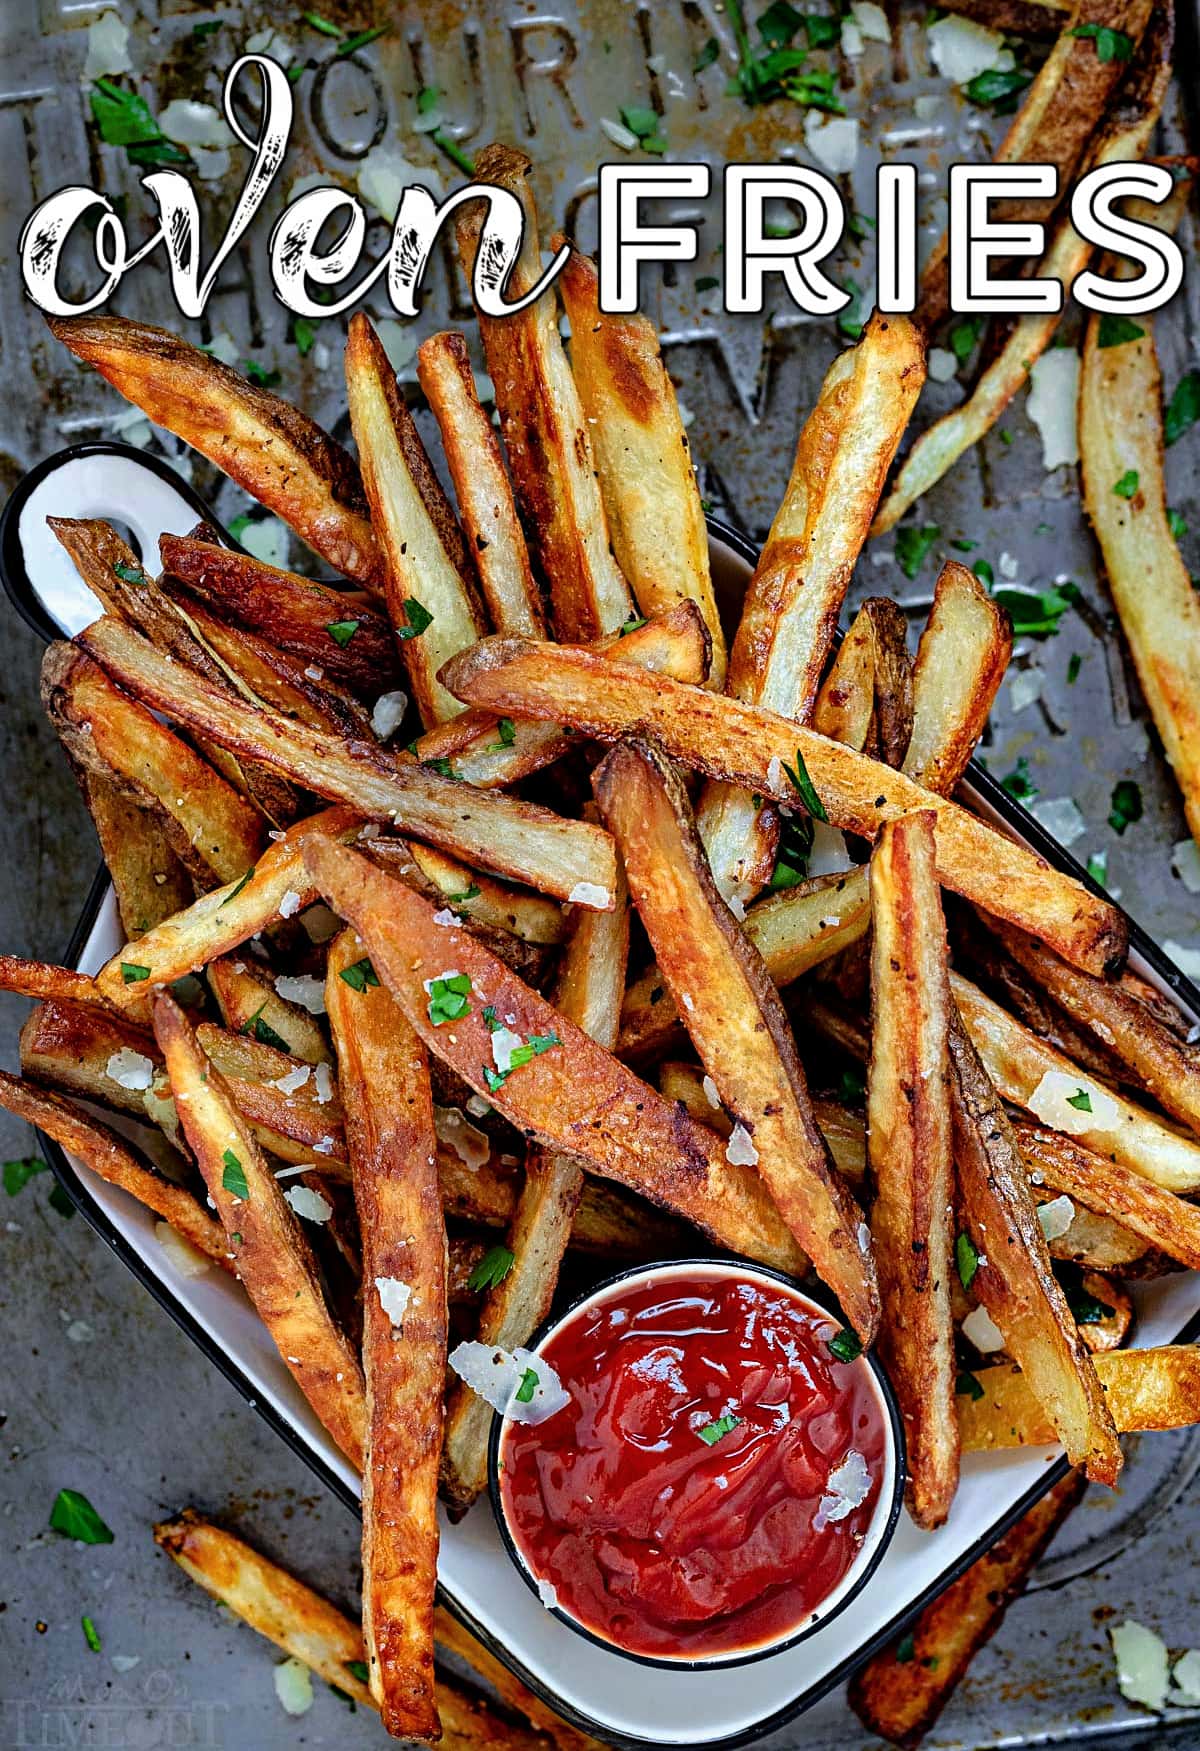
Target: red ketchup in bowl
x: 712, y: 1478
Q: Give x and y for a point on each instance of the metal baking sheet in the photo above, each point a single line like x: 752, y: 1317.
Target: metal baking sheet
x: 544, y: 78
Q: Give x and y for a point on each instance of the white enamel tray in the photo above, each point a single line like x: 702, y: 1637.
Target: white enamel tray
x: 618, y: 1700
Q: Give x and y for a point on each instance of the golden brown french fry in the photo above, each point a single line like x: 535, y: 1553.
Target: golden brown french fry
x: 751, y: 747
x: 911, y: 1155
x: 491, y: 906
x: 843, y: 1131
x: 961, y: 659
x: 68, y: 1045
x: 795, y: 596
x: 1014, y: 1280
x: 737, y: 1023
x: 1121, y: 453
x: 546, y: 434
x: 42, y: 979
x: 485, y: 502
x: 845, y: 704
x: 503, y: 833
x: 1109, y: 1124
x: 113, y: 1160
x: 280, y: 456
x: 309, y: 1628
x: 384, y: 1077
x: 219, y: 921
x: 300, y: 1123
x: 590, y: 987
x: 1143, y: 1389
x: 1060, y: 112
x: 429, y: 598
x: 250, y: 1004
x: 149, y: 881
x: 900, y: 1693
x: 1169, y: 1223
x: 272, y: 1257
x: 1098, y: 1242
x: 572, y: 1095
x: 282, y: 681
x: 642, y: 455
x: 215, y: 833
x: 489, y: 752
x: 291, y: 612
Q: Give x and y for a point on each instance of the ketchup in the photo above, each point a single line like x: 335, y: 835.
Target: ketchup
x: 710, y: 1481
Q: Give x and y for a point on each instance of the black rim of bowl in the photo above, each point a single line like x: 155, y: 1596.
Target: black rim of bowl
x: 819, y: 1619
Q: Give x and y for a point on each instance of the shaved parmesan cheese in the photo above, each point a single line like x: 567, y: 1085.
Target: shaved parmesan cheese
x: 309, y: 1204
x: 383, y: 176
x: 1186, y: 959
x: 774, y: 773
x: 1056, y: 1217
x: 1059, y: 815
x: 504, y: 1044
x: 186, y: 1260
x: 1026, y: 686
x: 293, y: 1080
x: 293, y: 1686
x: 1051, y: 405
x: 1186, y: 1673
x: 737, y: 906
x: 132, y: 425
x: 189, y: 123
x: 394, y: 1297
x: 832, y: 140
x: 982, y: 1330
x: 266, y: 539
x: 589, y: 894
x: 852, y: 40
x: 303, y: 989
x: 710, y: 1093
x: 130, y: 1069
x: 848, y: 1485
x: 1051, y: 1102
x: 1185, y: 861
x: 389, y: 713
x: 828, y: 855
x: 470, y: 1145
x: 398, y: 341
x: 961, y: 50
x: 872, y: 20
x: 1141, y: 1658
x: 740, y: 1150
x: 941, y: 365
x: 289, y: 905
x: 107, y: 47
x: 323, y: 1084
x: 621, y: 136
x: 476, y: 1105
x: 274, y: 43
x: 495, y: 1375
x: 446, y: 918
x: 547, y: 1593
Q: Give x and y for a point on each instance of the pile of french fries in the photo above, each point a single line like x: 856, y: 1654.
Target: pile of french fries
x: 405, y: 1029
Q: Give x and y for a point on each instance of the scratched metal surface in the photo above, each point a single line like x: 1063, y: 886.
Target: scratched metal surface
x: 98, y: 1391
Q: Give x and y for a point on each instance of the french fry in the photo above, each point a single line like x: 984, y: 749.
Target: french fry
x: 485, y: 502
x: 573, y: 1096
x: 291, y: 612
x: 1014, y: 1280
x: 1017, y: 17
x: 43, y: 980
x: 516, y: 838
x: 737, y: 1023
x: 1126, y: 136
x: 911, y: 1156
x: 843, y: 1131
x: 590, y: 987
x: 215, y: 833
x: 900, y: 1693
x: 283, y: 682
x: 250, y: 1004
x: 1143, y: 1390
x: 1096, y: 1241
x: 1016, y: 1061
x: 219, y: 921
x: 866, y: 699
x: 497, y: 909
x: 299, y: 1123
x: 608, y: 1221
x: 642, y: 456
x: 488, y: 752
x: 384, y: 1077
x: 113, y: 1160
x: 1169, y: 1223
x: 149, y: 882
x: 68, y: 1045
x: 845, y: 704
x: 272, y: 450
x: 272, y: 1257
x: 796, y: 593
x: 431, y: 603
x: 546, y: 434
x: 750, y: 747
x: 961, y: 659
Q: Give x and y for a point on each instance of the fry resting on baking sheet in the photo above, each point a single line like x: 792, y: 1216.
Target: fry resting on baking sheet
x: 1165, y: 1221
x: 1143, y: 1389
x: 753, y: 748
x: 384, y: 1077
x: 538, y: 1069
x: 269, y: 447
x: 911, y: 1155
x: 737, y: 1023
x: 272, y: 1256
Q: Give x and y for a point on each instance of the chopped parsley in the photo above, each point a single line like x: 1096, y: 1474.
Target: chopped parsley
x: 261, y: 1030
x: 439, y: 764
x: 362, y: 974
x: 711, y: 1433
x: 998, y: 90
x: 417, y: 619
x: 130, y: 574
x: 1183, y: 410
x: 1116, y: 330
x: 359, y: 40
x: 644, y: 123
x: 342, y: 631
x: 793, y: 851
x: 708, y: 54
x: 17, y: 1174
x: 1073, y: 668
x: 635, y: 621
x: 906, y: 1648
x: 1086, y: 1308
x: 966, y: 1258
x: 60, y: 1201
x: 804, y: 787
x: 91, y: 1634
x: 964, y: 337
x: 233, y: 1176
x: 506, y: 729
x: 233, y: 894
x: 913, y: 544
x: 1036, y: 614
x: 207, y: 27
x: 983, y: 571
x: 779, y: 69
x: 1111, y: 45
x: 1177, y: 525
x: 962, y: 545
x: 1018, y: 783
x: 859, y: 224
x: 851, y: 320
x: 521, y: 1055
x: 852, y: 1086
x: 324, y: 25
x: 967, y: 1385
x: 358, y: 1669
x: 845, y: 1345
x: 132, y: 974
x: 448, y: 998
x: 124, y: 119
x: 427, y: 101
x: 470, y: 893
x: 1127, y: 485
x: 1081, y: 1100
x: 304, y: 335
x: 706, y: 283
x: 1126, y: 805
x: 260, y: 375
x: 528, y: 1386
x: 1097, y: 868
x: 492, y: 1268
x: 74, y: 1516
